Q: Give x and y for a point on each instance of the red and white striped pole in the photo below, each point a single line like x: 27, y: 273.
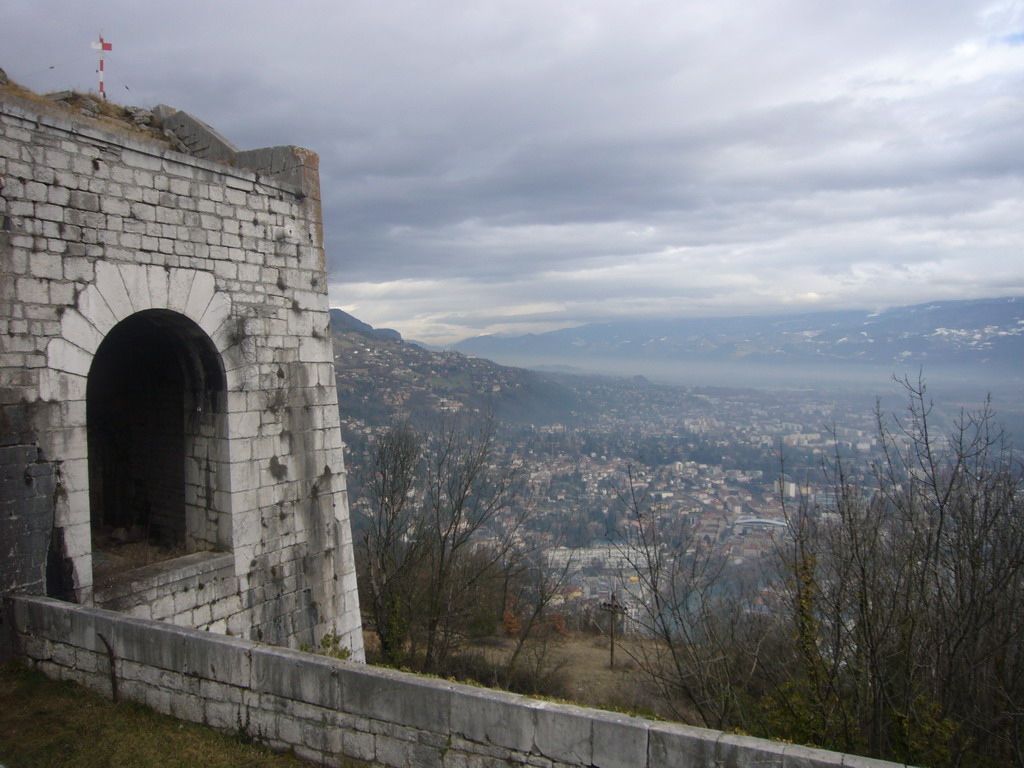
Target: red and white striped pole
x: 102, y: 46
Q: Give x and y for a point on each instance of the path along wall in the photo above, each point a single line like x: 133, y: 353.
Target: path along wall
x: 327, y: 710
x: 167, y: 381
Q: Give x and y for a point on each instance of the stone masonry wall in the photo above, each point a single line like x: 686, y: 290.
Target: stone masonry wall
x: 328, y: 710
x: 27, y: 485
x: 100, y: 229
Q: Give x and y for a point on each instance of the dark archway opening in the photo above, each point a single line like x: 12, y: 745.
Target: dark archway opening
x: 155, y: 400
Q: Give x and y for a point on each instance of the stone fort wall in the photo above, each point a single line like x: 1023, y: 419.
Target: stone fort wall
x: 328, y: 711
x: 167, y: 383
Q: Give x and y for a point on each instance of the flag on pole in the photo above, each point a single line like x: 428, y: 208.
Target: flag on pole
x: 102, y: 46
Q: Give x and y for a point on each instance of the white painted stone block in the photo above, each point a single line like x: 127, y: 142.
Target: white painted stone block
x: 74, y: 510
x: 46, y: 265
x: 178, y: 289
x: 78, y: 539
x: 136, y: 285
x: 93, y: 307
x: 200, y: 294
x: 69, y: 442
x: 247, y: 529
x: 217, y: 312
x: 140, y: 160
x: 156, y: 281
x: 79, y: 331
x: 313, y: 350
x: 220, y: 627
x: 75, y: 474
x: 111, y: 286
x: 61, y: 386
x: 244, y: 424
x: 32, y: 291
x: 62, y: 355
x: 163, y: 607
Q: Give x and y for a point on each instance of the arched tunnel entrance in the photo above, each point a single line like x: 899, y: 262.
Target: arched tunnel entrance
x: 155, y: 405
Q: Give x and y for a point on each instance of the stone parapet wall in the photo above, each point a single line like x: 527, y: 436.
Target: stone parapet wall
x: 99, y: 228
x: 329, y: 710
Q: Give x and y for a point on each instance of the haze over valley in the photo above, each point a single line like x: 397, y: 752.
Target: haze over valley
x: 957, y: 343
x: 707, y: 450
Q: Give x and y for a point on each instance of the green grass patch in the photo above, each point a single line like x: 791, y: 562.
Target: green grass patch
x: 50, y: 723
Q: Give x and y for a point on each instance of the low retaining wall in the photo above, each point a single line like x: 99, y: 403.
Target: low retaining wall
x: 328, y: 710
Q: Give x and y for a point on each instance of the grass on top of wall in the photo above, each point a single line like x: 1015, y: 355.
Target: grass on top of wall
x: 109, y: 115
x: 51, y: 723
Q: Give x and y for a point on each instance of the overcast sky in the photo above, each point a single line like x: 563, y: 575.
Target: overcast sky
x: 520, y: 165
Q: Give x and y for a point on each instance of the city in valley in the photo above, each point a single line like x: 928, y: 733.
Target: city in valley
x: 726, y: 470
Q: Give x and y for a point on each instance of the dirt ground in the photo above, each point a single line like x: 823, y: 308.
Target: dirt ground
x: 591, y: 679
x: 582, y: 661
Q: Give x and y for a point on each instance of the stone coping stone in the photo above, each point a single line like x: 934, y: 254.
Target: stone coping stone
x: 618, y: 741
x: 563, y: 733
x: 296, y: 675
x: 673, y: 743
x: 402, y: 698
x: 495, y: 718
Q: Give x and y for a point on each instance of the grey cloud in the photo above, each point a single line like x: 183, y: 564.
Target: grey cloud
x: 544, y: 163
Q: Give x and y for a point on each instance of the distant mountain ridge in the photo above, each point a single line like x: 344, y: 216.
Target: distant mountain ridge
x: 379, y: 374
x: 983, y: 333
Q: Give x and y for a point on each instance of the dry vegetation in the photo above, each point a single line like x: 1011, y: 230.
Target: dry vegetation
x: 574, y: 668
x: 586, y: 677
x: 112, y: 560
x: 90, y: 108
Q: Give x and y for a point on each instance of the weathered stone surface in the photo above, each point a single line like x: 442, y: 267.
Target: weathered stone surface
x: 139, y: 115
x: 563, y: 733
x: 160, y: 113
x: 684, y: 745
x: 394, y: 697
x: 619, y: 741
x: 27, y: 485
x: 495, y: 718
x: 736, y: 751
x: 201, y: 140
x: 108, y: 231
x: 296, y: 676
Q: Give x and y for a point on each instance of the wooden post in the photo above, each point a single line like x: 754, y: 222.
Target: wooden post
x: 614, y: 609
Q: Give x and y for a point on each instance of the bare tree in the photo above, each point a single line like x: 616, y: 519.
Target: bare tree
x: 906, y: 600
x: 467, y: 493
x: 956, y: 523
x: 897, y: 624
x: 438, y: 537
x: 688, y: 619
x: 392, y: 550
x: 535, y: 626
